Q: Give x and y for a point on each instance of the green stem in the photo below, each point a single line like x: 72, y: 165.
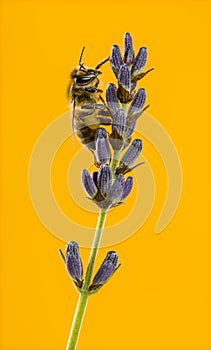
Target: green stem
x: 82, y: 301
x: 95, y: 246
x: 115, y: 161
x: 124, y: 106
x: 77, y: 321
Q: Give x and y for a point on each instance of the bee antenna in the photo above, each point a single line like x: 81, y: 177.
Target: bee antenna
x: 81, y: 55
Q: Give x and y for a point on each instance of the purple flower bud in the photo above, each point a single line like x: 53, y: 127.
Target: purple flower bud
x: 128, y: 49
x: 104, y: 179
x: 124, y: 92
x: 74, y: 263
x: 138, y: 102
x: 103, y: 154
x: 100, y: 188
x: 101, y: 133
x: 88, y: 183
x: 115, y: 59
x: 136, y: 108
x: 111, y: 97
x: 105, y: 271
x: 119, y: 122
x: 139, y: 61
x: 118, y: 129
x: 127, y: 187
x: 116, y: 191
x: 124, y: 77
x: 129, y: 157
x: 129, y: 130
x: 132, y: 153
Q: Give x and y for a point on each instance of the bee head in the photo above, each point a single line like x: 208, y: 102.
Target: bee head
x: 82, y: 75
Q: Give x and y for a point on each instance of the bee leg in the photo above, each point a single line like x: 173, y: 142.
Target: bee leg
x: 102, y: 99
x: 93, y: 106
x: 93, y: 90
x: 88, y: 107
x: 96, y: 163
x: 100, y: 108
x: 105, y: 107
x: 102, y: 62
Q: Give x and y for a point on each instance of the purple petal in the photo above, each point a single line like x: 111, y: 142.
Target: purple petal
x: 104, y: 179
x: 127, y: 188
x: 106, y: 269
x: 124, y: 77
x: 111, y: 97
x: 73, y: 262
x: 88, y: 183
x: 138, y: 102
x: 116, y: 190
x: 132, y: 153
x: 115, y: 59
x: 128, y: 49
x: 103, y: 154
x: 140, y: 61
x: 119, y: 122
x: 130, y: 129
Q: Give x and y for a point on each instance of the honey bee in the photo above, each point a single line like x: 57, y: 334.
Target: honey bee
x: 89, y: 109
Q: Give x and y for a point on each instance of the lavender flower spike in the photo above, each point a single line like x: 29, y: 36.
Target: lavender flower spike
x: 115, y: 59
x: 129, y: 157
x: 88, y: 183
x: 106, y: 270
x: 74, y: 263
x: 103, y: 154
x: 128, y: 49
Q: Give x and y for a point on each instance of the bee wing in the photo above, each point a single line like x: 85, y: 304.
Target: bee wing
x: 102, y: 113
x: 88, y: 117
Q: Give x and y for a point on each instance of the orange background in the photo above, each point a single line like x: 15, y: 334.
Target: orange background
x: 160, y: 298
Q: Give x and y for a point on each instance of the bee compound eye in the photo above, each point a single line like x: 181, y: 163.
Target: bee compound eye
x: 83, y: 80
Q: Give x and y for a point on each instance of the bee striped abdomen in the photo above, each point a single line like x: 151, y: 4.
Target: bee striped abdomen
x: 86, y: 123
